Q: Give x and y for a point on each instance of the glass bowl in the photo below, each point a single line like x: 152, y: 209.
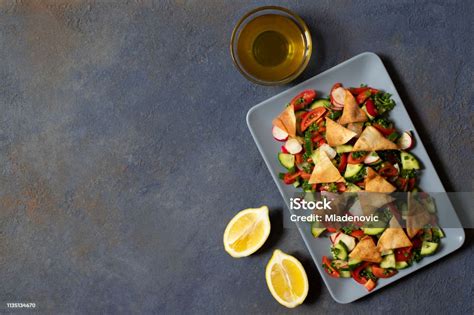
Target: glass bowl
x: 274, y: 10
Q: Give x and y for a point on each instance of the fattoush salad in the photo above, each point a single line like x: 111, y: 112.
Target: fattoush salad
x: 347, y: 143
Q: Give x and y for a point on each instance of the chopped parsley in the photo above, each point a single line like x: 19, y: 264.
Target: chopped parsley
x: 383, y: 102
x: 408, y: 173
x: 334, y: 115
x: 368, y: 274
x: 348, y: 229
x: 359, y: 154
x: 417, y: 255
x: 384, y: 122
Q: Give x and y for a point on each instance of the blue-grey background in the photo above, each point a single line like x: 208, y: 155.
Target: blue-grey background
x: 124, y: 150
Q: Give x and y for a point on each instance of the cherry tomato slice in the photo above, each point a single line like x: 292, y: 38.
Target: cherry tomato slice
x: 311, y: 117
x: 369, y: 104
x: 358, y: 234
x: 329, y: 269
x: 362, y: 97
x: 305, y: 175
x: 383, y: 130
x: 357, y: 91
x: 343, y: 163
x: 356, y: 273
x: 299, y: 158
x: 382, y: 272
x: 317, y: 137
x: 356, y: 160
x: 302, y: 100
x: 290, y: 178
x: 341, y: 187
x: 403, y: 254
x: 388, y: 170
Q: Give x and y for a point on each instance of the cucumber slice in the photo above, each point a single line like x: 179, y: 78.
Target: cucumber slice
x: 352, y: 187
x: 287, y: 160
x: 344, y: 148
x: 386, y: 252
x: 296, y: 184
x: 339, y: 251
x: 315, y: 156
x: 316, y: 230
x: 438, y: 232
x: 320, y: 103
x: 352, y: 170
x: 388, y: 261
x: 373, y: 231
x: 428, y: 248
x: 345, y: 274
x: 401, y: 265
x: 409, y: 162
x: 354, y: 262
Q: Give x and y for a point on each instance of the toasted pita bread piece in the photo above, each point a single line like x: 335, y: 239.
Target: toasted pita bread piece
x: 372, y: 140
x: 393, y: 237
x: 325, y: 171
x: 286, y: 121
x: 376, y: 183
x: 366, y: 250
x: 357, y: 127
x: 337, y: 134
x: 351, y: 112
x: 372, y: 201
x: 417, y: 217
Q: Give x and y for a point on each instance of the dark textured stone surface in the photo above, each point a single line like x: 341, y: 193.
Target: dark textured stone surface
x: 124, y: 150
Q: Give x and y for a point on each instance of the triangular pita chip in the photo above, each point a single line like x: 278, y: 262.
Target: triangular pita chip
x: 376, y: 183
x: 372, y: 140
x: 337, y: 134
x: 356, y: 127
x: 325, y: 171
x: 372, y: 201
x: 393, y: 237
x: 351, y: 112
x: 417, y: 217
x: 366, y: 250
x: 394, y: 223
x: 286, y: 121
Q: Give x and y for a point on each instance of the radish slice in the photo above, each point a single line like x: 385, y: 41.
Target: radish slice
x: 349, y: 241
x: 293, y: 146
x: 329, y: 151
x: 337, y: 108
x: 279, y: 134
x: 397, y: 167
x: 405, y: 141
x: 337, y: 96
x: 284, y: 150
x: 372, y: 158
x: 333, y: 236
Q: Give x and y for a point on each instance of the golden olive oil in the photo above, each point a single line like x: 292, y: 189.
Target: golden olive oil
x: 271, y: 47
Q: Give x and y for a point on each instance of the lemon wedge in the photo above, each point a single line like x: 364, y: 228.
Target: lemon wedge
x: 286, y: 279
x: 247, y: 232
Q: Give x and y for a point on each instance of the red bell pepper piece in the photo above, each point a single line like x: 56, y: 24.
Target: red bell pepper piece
x: 370, y: 285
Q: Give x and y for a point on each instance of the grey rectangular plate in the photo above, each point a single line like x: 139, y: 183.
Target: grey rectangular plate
x: 365, y: 68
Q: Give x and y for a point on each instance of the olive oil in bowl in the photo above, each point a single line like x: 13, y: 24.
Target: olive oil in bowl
x: 271, y: 48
